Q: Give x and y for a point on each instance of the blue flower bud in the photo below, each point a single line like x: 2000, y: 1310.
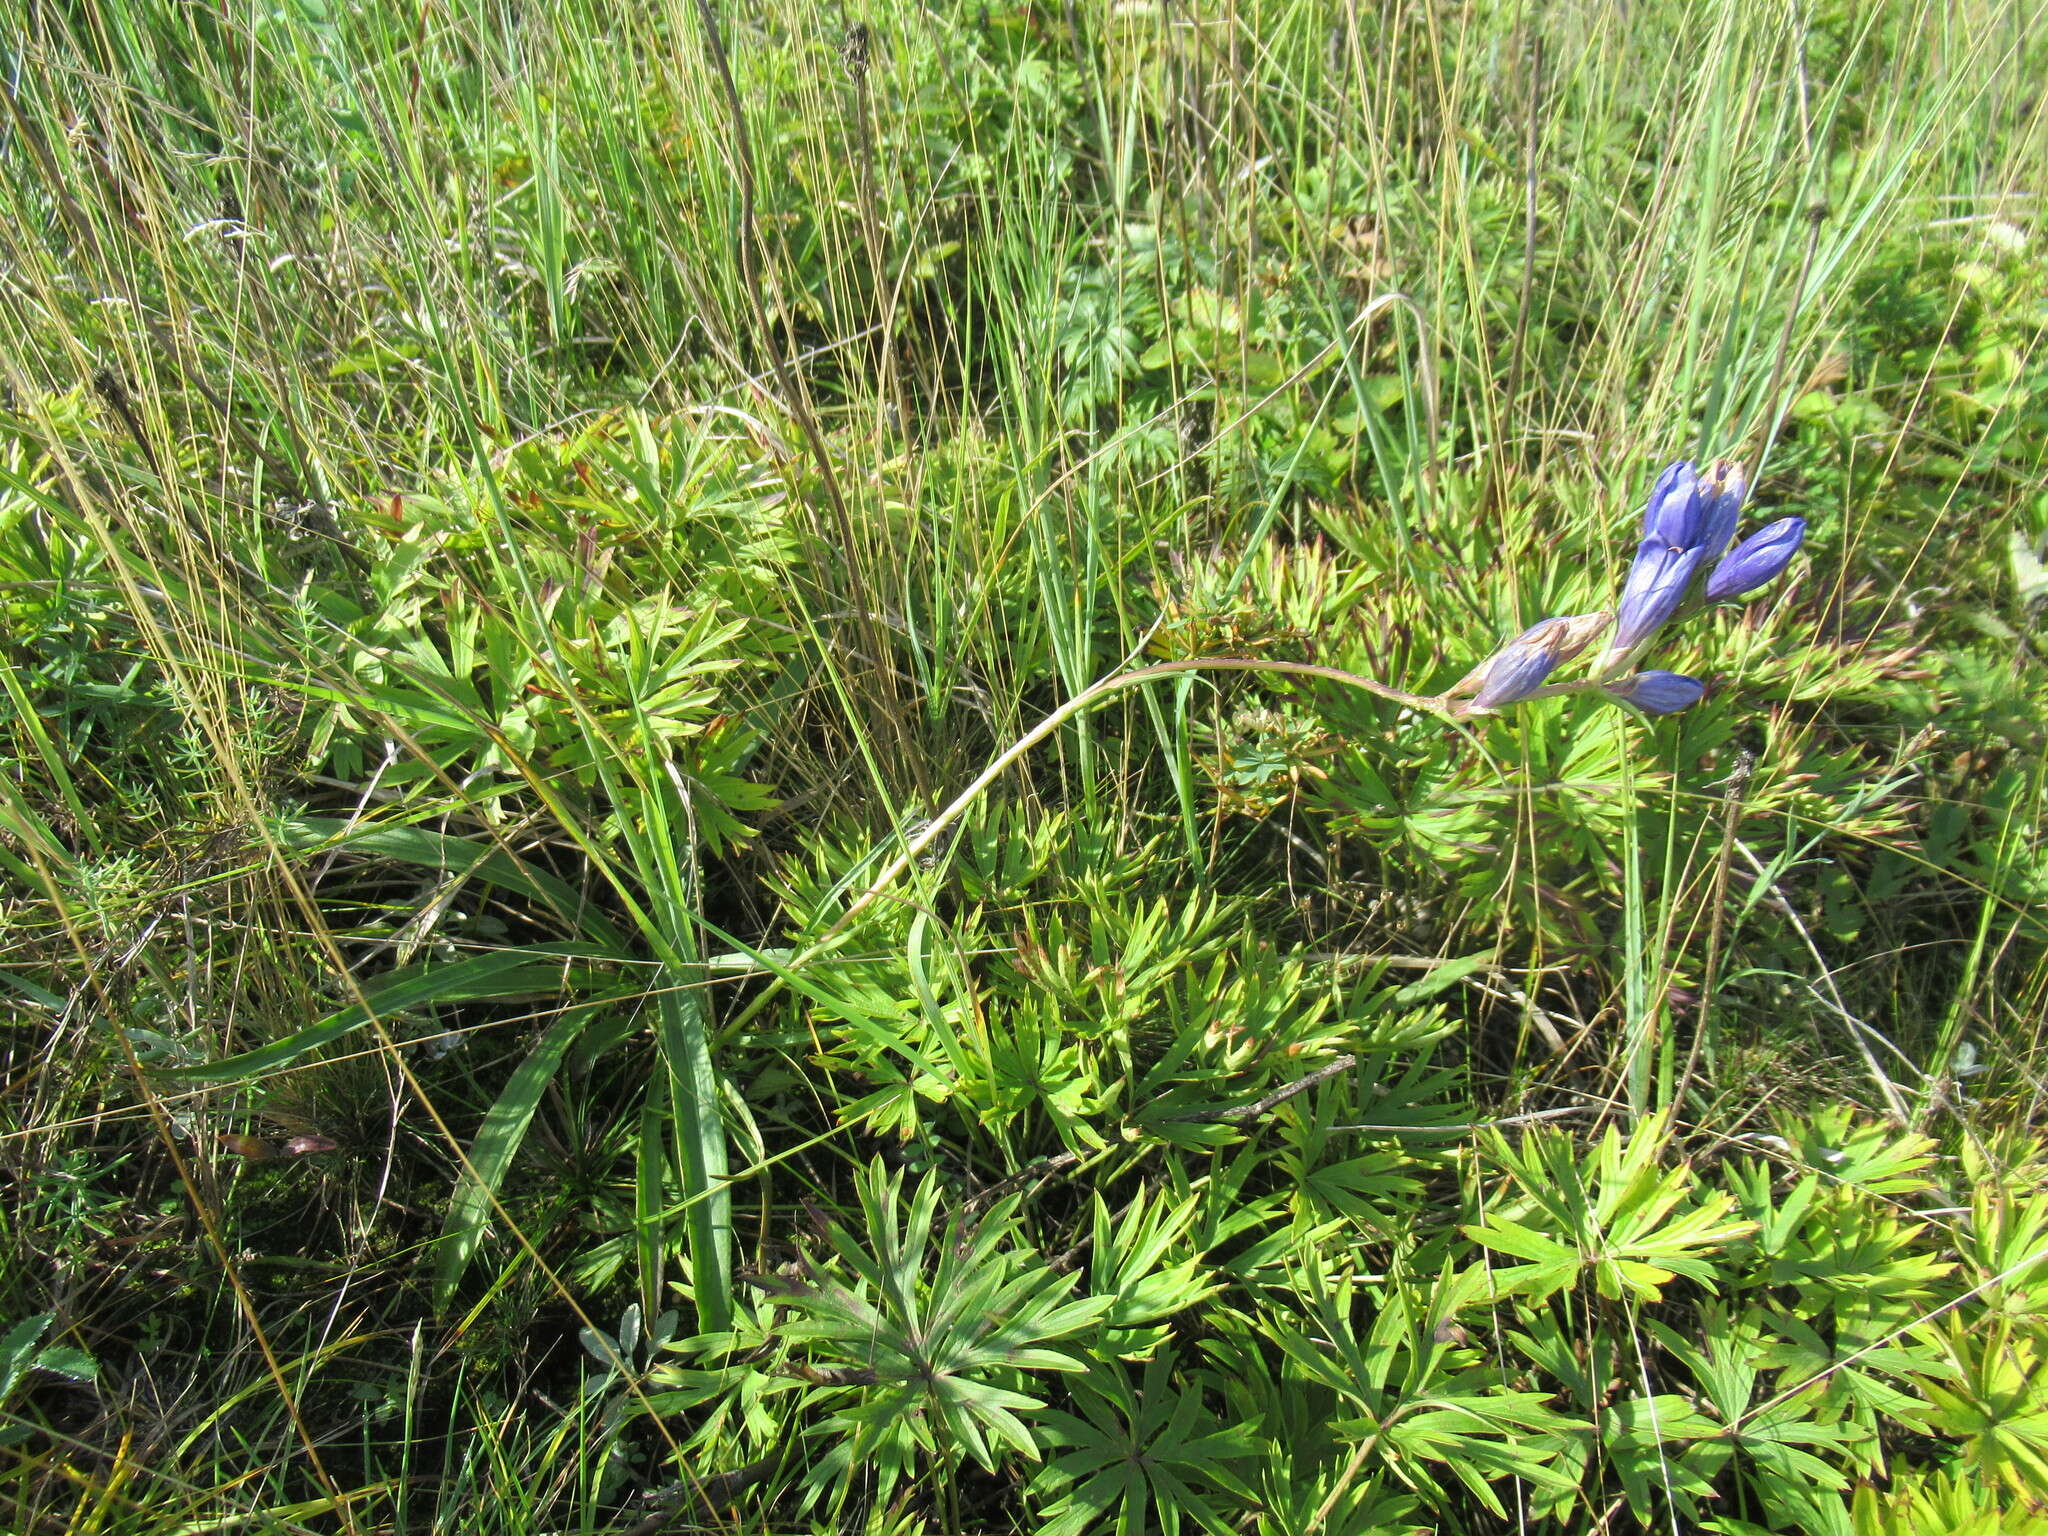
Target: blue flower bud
x: 1757, y: 559
x: 1657, y: 584
x: 1659, y: 693
x: 1519, y: 667
x: 1674, y: 516
x: 1721, y: 491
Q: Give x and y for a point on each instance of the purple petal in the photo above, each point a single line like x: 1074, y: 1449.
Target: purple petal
x: 1674, y: 513
x: 1721, y: 489
x: 1757, y: 559
x: 1659, y: 693
x: 1657, y: 584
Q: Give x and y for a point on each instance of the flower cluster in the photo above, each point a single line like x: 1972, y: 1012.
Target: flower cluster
x: 1682, y: 564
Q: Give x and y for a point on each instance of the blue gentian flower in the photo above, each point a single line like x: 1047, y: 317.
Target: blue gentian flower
x: 1659, y: 693
x: 1657, y: 585
x: 1674, y: 514
x: 1757, y: 559
x: 1688, y: 523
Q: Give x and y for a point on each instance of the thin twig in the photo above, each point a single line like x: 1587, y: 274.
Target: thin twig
x: 1030, y: 1173
x: 1271, y: 1101
x: 1470, y: 1127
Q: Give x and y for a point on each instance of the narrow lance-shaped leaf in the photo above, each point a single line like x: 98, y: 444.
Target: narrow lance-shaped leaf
x: 539, y: 969
x: 693, y: 1082
x: 428, y: 849
x: 496, y: 1145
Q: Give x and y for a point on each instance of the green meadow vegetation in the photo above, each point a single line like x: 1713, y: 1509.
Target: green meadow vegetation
x: 595, y: 937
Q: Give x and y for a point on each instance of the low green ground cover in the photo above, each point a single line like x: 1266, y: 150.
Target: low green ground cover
x: 518, y: 525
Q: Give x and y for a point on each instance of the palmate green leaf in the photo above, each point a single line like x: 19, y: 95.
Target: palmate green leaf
x: 1786, y: 1458
x: 1545, y: 1255
x: 1612, y: 1216
x: 1850, y: 1251
x: 2005, y: 1245
x: 1951, y: 1503
x: 536, y: 970
x: 1035, y: 1065
x: 933, y: 1327
x: 1585, y: 1361
x: 1484, y: 1440
x: 876, y: 1442
x: 970, y: 1407
x: 1153, y: 1455
x: 1866, y: 1154
x: 1996, y: 1404
x: 1727, y: 1359
x: 1775, y: 1446
x: 1777, y: 1217
x: 1232, y: 1210
x: 1641, y: 1439
x: 1332, y: 1352
x: 897, y: 1108
x: 1129, y: 1262
x: 1301, y: 1497
x: 1373, y: 1188
x: 1859, y: 1372
x: 1421, y: 1403
x: 1793, y: 1505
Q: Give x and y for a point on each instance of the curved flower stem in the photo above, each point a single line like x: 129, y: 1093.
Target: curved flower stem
x: 1593, y: 684
x: 1079, y: 704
